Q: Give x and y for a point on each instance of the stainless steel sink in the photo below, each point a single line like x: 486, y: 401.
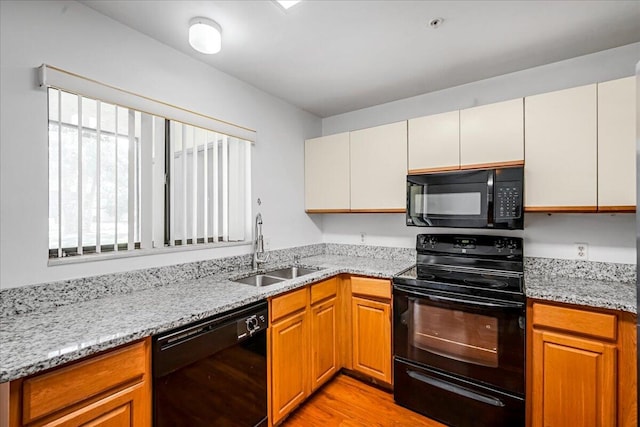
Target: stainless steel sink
x: 275, y: 276
x: 291, y: 272
x: 259, y: 280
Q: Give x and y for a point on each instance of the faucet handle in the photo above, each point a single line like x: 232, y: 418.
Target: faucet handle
x: 296, y: 259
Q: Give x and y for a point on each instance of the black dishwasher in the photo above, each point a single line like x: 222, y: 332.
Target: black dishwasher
x: 213, y: 372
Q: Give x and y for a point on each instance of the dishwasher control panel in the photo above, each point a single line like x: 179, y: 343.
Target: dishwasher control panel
x: 252, y: 324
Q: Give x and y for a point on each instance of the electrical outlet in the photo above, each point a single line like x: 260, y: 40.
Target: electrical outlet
x: 582, y: 251
x: 363, y: 236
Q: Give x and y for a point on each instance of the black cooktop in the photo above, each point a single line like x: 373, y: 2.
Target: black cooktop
x: 489, y: 266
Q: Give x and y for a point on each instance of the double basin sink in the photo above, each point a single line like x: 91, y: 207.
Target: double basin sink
x: 276, y: 276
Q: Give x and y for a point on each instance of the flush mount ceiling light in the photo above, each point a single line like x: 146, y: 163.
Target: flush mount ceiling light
x: 205, y: 35
x: 286, y: 4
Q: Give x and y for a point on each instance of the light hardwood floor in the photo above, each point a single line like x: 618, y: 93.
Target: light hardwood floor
x: 347, y: 402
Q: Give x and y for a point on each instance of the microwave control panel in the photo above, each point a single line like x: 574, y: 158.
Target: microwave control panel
x: 508, y: 200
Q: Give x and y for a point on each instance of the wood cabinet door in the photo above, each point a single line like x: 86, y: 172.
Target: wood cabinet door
x: 574, y: 381
x: 289, y: 364
x: 561, y: 150
x: 324, y: 342
x: 125, y: 408
x: 617, y: 145
x: 372, y: 338
x: 434, y: 143
x: 492, y: 135
x: 326, y: 173
x: 379, y: 168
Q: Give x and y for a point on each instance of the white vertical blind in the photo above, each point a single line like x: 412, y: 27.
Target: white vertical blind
x: 173, y: 178
x: 98, y: 186
x: 79, y: 249
x: 157, y: 210
x: 147, y: 131
x: 131, y: 188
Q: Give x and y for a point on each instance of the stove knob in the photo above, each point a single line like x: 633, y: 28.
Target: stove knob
x: 512, y: 244
x: 499, y: 244
x: 433, y: 241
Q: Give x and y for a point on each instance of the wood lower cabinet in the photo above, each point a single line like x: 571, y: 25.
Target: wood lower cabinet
x: 289, y: 364
x: 372, y: 338
x: 303, y: 345
x: 371, y: 327
x: 317, y: 330
x: 574, y: 380
x: 110, y: 389
x: 324, y: 342
x: 582, y: 366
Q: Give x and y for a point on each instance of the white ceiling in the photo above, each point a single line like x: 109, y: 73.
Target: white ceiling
x: 330, y: 56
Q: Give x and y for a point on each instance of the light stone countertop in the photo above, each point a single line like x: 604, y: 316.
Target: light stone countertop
x: 39, y: 340
x: 58, y: 329
x: 587, y: 292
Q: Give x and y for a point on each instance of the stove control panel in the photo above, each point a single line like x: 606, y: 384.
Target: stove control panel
x: 479, y: 245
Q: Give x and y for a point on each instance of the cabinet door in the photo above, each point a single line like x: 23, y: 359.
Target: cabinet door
x: 560, y: 153
x: 326, y: 173
x: 289, y: 364
x: 434, y: 143
x: 379, y: 168
x: 372, y: 338
x: 324, y: 342
x: 492, y: 135
x: 122, y: 409
x: 574, y: 381
x: 617, y: 145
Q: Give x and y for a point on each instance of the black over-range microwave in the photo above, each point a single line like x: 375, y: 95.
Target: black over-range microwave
x: 487, y: 198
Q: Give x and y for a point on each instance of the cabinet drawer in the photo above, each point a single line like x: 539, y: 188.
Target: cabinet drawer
x: 50, y: 392
x: 600, y: 325
x: 289, y: 303
x: 379, y: 288
x: 324, y: 289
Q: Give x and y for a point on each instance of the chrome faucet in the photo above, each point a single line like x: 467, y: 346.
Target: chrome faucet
x: 258, y: 245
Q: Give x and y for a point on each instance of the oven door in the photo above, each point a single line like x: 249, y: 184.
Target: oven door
x: 453, y: 199
x: 476, y: 338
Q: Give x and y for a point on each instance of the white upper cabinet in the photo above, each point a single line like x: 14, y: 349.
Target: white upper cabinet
x: 379, y: 168
x: 617, y: 145
x: 492, y: 135
x: 434, y: 143
x: 326, y: 173
x: 561, y: 150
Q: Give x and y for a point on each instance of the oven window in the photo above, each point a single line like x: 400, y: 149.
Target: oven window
x: 448, y: 203
x: 458, y: 335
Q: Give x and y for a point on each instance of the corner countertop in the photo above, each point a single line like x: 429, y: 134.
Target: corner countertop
x: 33, y: 342
x: 587, y: 292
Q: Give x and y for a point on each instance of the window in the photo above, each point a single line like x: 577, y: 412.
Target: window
x: 121, y: 179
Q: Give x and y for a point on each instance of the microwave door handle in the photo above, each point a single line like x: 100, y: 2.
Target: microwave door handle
x: 490, y: 180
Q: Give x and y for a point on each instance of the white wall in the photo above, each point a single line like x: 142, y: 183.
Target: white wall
x: 611, y: 237
x: 76, y: 38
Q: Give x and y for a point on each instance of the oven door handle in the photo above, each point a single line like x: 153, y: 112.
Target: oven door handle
x: 456, y: 389
x: 494, y: 304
